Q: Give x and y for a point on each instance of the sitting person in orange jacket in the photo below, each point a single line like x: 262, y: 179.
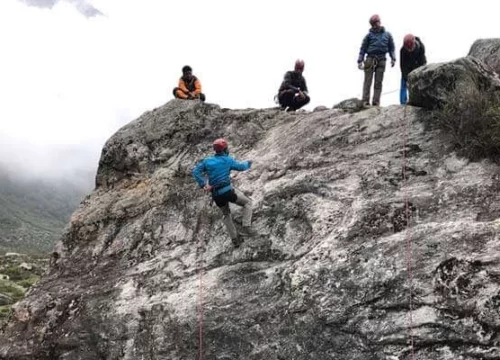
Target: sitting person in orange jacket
x: 189, y: 87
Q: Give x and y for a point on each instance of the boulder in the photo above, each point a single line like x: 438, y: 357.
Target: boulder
x: 350, y: 105
x: 488, y: 51
x: 145, y: 269
x: 320, y: 108
x: 26, y: 266
x: 433, y: 85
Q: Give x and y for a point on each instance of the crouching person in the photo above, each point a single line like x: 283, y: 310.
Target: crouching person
x: 292, y: 94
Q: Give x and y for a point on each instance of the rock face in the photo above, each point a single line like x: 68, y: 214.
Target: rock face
x: 488, y: 51
x: 433, y: 85
x: 326, y: 278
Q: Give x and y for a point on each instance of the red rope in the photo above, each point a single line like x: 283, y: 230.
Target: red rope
x: 201, y: 268
x: 408, y: 236
x: 200, y: 302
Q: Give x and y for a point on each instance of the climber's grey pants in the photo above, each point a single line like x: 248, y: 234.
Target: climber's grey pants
x: 237, y: 197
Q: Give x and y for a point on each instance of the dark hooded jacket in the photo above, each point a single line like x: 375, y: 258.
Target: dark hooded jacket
x: 293, y: 81
x: 410, y: 60
x: 377, y: 43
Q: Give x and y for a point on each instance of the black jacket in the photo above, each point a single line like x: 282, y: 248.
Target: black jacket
x: 293, y: 80
x: 409, y: 61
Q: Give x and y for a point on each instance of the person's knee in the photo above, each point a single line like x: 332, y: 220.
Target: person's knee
x: 178, y: 93
x: 378, y: 84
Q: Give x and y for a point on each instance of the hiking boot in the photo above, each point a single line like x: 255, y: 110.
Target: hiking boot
x: 248, y: 231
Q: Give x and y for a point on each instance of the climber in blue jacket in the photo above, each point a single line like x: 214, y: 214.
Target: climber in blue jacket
x: 376, y: 44
x: 218, y: 168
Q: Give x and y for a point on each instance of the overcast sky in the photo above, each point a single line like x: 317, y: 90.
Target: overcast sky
x: 68, y: 80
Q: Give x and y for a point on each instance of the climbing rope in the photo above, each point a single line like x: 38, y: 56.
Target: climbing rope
x: 200, y: 303
x: 408, y: 235
x: 201, y: 251
x: 389, y: 92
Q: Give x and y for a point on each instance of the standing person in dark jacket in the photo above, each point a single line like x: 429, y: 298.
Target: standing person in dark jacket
x: 218, y: 170
x: 292, y: 93
x: 375, y: 45
x: 412, y: 56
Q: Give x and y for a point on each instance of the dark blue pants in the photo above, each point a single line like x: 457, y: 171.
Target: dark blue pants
x: 403, y: 93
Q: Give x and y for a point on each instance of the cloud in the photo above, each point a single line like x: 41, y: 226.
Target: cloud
x: 84, y: 7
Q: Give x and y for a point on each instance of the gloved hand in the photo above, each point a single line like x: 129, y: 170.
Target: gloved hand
x: 250, y: 162
x: 393, y: 62
x: 361, y: 66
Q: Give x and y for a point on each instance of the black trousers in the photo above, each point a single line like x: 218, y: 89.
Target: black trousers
x: 237, y: 197
x: 287, y: 98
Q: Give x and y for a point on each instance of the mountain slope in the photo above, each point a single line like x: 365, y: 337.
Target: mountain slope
x: 33, y: 213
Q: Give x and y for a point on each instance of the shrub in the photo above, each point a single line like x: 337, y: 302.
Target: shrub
x: 11, y: 289
x: 28, y: 282
x: 4, y: 311
x: 471, y: 119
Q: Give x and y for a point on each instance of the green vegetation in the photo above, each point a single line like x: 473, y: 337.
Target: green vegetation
x: 472, y: 122
x: 18, y: 272
x: 4, y: 312
x: 11, y: 289
x: 28, y: 282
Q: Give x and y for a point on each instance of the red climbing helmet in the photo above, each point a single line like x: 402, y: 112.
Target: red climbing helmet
x: 220, y: 145
x: 299, y: 65
x: 409, y: 42
x: 375, y: 18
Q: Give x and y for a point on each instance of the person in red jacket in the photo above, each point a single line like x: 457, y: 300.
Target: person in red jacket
x: 189, y: 87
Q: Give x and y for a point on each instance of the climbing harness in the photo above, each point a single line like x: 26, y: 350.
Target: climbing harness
x: 408, y: 234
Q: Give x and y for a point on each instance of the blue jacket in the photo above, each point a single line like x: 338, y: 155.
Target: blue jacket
x: 218, y: 168
x: 377, y: 42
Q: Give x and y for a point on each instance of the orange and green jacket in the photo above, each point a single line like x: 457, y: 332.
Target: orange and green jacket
x: 193, y: 86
